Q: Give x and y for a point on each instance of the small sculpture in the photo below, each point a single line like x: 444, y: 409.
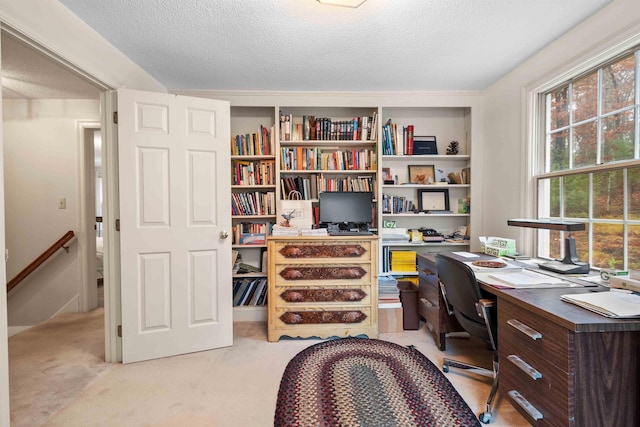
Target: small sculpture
x: 287, y: 218
x: 453, y: 147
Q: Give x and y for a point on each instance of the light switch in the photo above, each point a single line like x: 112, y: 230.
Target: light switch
x: 62, y: 203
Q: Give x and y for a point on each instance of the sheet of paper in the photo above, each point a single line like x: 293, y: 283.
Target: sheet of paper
x: 610, y: 303
x: 466, y: 254
x: 528, y: 279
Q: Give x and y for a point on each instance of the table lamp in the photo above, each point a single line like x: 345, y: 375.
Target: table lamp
x: 570, y: 264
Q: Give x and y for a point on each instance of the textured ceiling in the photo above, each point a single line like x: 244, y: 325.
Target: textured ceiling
x: 303, y: 45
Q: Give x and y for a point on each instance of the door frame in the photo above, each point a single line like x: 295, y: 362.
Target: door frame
x: 87, y: 288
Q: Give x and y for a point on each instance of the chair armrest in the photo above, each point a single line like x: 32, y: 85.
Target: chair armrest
x: 487, y: 303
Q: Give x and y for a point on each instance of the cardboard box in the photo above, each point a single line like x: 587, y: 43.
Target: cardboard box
x: 625, y: 282
x: 390, y: 319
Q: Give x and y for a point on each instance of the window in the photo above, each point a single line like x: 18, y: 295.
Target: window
x: 589, y: 169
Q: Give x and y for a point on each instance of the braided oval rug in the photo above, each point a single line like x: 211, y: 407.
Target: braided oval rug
x: 367, y: 382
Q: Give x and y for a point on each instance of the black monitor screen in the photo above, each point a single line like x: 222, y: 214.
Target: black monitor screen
x: 345, y: 207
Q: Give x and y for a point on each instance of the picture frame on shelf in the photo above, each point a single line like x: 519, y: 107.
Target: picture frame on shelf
x: 422, y: 174
x: 386, y: 176
x: 425, y: 145
x: 430, y: 200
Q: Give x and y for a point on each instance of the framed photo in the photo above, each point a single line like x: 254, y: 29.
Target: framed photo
x: 433, y: 200
x: 386, y: 175
x: 421, y: 174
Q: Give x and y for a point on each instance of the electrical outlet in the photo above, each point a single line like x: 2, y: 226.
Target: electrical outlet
x: 62, y: 203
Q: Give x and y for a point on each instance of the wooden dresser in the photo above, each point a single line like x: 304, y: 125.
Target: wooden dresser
x: 322, y: 286
x: 562, y: 365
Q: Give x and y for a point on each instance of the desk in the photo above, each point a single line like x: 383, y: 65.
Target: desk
x: 589, y: 364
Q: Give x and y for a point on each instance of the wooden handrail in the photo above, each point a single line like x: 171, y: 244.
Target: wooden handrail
x: 69, y: 235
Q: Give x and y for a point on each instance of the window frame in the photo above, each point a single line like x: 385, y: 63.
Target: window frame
x: 540, y: 168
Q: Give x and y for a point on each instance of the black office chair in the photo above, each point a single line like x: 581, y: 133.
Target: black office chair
x: 475, y: 313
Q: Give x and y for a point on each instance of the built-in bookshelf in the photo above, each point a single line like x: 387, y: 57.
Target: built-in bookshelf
x: 351, y: 148
x: 426, y: 191
x: 253, y: 204
x: 327, y: 149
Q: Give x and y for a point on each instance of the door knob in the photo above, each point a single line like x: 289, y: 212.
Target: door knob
x: 224, y: 234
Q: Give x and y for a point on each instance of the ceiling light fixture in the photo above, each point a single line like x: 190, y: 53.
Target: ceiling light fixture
x: 344, y: 3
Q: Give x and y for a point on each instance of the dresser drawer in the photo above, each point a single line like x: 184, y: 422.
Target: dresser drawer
x: 325, y: 317
x: 326, y: 295
x: 548, y: 392
x: 550, y: 348
x: 303, y: 252
x: 309, y: 275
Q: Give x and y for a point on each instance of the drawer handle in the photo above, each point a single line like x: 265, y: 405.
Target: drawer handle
x: 524, y: 404
x: 426, y: 302
x: 530, y: 332
x: 525, y: 367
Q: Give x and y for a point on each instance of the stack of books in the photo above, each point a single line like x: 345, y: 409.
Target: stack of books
x: 403, y: 261
x: 388, y: 292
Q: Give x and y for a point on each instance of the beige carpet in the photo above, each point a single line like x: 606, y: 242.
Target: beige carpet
x: 58, y: 378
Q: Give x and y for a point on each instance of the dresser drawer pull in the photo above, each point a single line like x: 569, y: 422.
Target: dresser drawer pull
x: 524, y: 404
x: 530, y: 332
x: 524, y: 367
x: 426, y: 302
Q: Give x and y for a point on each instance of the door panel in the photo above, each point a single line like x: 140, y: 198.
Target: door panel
x: 174, y: 207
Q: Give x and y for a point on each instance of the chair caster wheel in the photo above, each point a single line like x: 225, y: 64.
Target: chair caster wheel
x: 445, y: 369
x: 485, y: 417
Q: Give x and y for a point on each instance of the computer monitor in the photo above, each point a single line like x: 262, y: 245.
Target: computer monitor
x: 345, y: 208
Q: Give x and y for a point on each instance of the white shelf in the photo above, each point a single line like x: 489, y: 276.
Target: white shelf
x: 248, y: 246
x: 327, y: 171
x: 249, y: 275
x: 254, y: 157
x: 249, y: 217
x: 400, y: 273
x: 253, y: 187
x: 434, y: 157
x: 329, y: 143
x: 415, y: 215
x: 429, y: 186
x: 410, y: 245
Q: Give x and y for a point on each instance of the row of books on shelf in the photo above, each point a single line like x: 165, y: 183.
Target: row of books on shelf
x: 250, y: 291
x: 310, y: 186
x: 394, y: 260
x: 313, y: 128
x: 254, y: 144
x: 251, y: 233
x: 304, y: 158
x: 397, y: 204
x: 256, y: 172
x: 253, y: 203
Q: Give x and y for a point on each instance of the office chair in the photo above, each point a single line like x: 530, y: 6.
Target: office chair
x: 474, y: 312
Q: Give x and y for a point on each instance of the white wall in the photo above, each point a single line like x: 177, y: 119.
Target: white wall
x: 41, y: 167
x: 507, y: 190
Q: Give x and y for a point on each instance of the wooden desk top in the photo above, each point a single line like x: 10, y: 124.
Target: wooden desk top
x: 547, y: 303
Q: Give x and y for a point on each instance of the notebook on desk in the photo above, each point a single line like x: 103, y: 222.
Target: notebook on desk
x: 527, y: 279
x: 614, y: 304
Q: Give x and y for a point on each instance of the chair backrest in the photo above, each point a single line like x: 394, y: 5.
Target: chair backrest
x: 463, y: 294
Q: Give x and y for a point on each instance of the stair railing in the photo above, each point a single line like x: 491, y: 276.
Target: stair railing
x: 62, y: 243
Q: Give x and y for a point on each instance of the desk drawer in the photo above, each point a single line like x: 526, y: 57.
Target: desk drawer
x: 551, y: 346
x: 553, y: 412
x: 323, y: 317
x: 299, y: 275
x: 548, y: 393
x: 329, y: 251
x: 326, y: 295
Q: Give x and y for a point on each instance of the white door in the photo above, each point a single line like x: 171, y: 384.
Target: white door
x: 175, y: 216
